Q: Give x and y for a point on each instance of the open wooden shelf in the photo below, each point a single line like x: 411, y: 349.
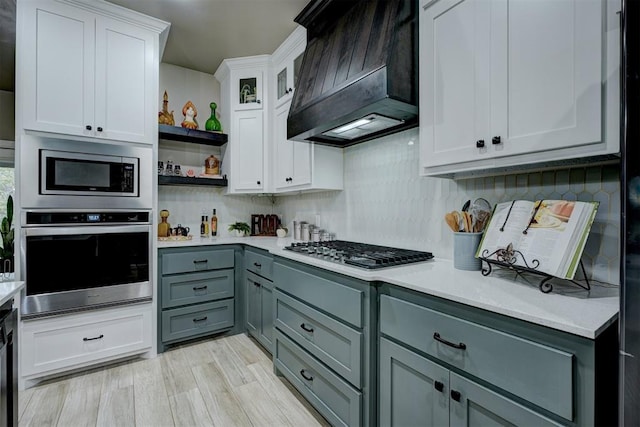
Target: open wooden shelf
x: 186, y: 180
x: 175, y: 133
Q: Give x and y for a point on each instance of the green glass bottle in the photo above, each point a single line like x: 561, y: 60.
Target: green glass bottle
x: 213, y: 124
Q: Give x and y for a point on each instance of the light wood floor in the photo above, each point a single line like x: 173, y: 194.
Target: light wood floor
x: 225, y: 382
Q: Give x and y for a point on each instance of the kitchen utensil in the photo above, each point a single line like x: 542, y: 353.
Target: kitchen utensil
x: 451, y: 221
x: 466, y: 205
x: 480, y: 211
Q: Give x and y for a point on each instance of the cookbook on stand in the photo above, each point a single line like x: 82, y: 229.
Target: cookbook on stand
x: 553, y: 232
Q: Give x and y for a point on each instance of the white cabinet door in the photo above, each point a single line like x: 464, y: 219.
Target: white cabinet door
x: 124, y: 81
x: 546, y: 59
x: 248, y: 154
x: 293, y: 158
x: 454, y: 77
x: 58, y: 51
x: 247, y: 90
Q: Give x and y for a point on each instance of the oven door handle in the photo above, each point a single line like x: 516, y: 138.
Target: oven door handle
x: 98, y: 229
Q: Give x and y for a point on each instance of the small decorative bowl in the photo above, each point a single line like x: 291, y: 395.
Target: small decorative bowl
x: 281, y: 232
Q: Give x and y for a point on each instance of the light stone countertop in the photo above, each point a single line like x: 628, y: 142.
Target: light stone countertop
x: 9, y: 289
x: 567, y: 308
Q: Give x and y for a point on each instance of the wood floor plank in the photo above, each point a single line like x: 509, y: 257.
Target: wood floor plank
x: 189, y: 409
x: 288, y: 403
x: 150, y: 395
x: 176, y: 372
x: 45, y: 405
x: 222, y: 404
x: 197, y: 353
x: 81, y: 405
x: 117, y: 408
x: 233, y: 369
x: 246, y: 349
x: 259, y: 406
x: 24, y: 397
x: 118, y: 376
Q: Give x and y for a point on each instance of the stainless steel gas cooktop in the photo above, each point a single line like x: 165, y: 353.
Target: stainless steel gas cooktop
x: 359, y: 254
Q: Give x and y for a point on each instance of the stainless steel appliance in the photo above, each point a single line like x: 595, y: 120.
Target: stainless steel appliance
x: 359, y: 254
x: 77, y: 260
x: 8, y: 365
x: 83, y: 175
x: 630, y: 231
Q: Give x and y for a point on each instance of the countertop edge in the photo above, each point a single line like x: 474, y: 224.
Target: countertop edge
x: 508, y: 297
x: 9, y: 289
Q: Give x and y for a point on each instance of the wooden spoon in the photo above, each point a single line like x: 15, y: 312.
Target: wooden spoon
x: 451, y: 221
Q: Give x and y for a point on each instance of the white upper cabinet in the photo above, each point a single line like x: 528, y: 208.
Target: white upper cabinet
x: 512, y: 82
x: 287, y: 61
x: 86, y: 74
x: 292, y: 158
x: 245, y: 160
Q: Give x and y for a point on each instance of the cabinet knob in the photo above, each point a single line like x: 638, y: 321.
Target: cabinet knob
x: 258, y: 182
x: 455, y: 395
x: 290, y: 90
x: 259, y: 102
x: 496, y: 140
x: 88, y: 127
x: 99, y: 129
x: 480, y: 143
x: 438, y: 385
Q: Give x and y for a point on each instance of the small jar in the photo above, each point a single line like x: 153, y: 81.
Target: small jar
x: 315, y: 235
x: 304, y: 232
x: 324, y: 236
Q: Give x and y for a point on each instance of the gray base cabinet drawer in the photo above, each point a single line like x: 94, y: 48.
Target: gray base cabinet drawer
x: 332, y: 297
x: 335, y: 399
x: 191, y: 261
x: 192, y: 288
x: 538, y: 373
x: 333, y: 342
x: 185, y: 322
x: 262, y: 265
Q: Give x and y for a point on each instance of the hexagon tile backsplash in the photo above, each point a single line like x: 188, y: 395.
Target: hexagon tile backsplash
x: 386, y: 202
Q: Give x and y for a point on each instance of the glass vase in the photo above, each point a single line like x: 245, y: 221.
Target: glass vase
x: 213, y: 124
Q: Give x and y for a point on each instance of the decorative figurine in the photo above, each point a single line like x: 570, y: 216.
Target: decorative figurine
x: 213, y: 124
x: 165, y: 117
x: 189, y: 111
x: 164, y: 228
x: 212, y: 165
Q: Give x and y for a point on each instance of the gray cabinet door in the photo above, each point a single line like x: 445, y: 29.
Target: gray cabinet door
x: 478, y: 406
x: 266, y: 315
x: 414, y: 391
x: 252, y: 304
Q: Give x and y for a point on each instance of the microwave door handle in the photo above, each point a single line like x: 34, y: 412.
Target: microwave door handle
x: 68, y: 231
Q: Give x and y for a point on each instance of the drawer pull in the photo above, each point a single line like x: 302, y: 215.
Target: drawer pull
x: 304, y: 327
x: 257, y: 264
x: 200, y: 288
x: 455, y: 395
x: 438, y: 385
x: 460, y: 346
x: 201, y: 319
x: 256, y: 284
x: 199, y: 261
x: 308, y: 378
x: 99, y: 337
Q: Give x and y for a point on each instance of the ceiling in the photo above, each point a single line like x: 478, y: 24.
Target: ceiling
x: 202, y: 34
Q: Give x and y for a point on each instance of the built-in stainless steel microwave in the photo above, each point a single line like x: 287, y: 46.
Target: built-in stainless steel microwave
x: 68, y: 173
x: 65, y: 174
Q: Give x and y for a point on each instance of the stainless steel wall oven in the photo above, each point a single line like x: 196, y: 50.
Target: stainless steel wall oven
x: 78, y: 260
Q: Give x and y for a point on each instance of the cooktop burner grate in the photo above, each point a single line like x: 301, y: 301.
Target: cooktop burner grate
x: 359, y: 254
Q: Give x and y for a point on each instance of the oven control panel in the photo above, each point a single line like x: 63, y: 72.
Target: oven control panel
x: 84, y: 218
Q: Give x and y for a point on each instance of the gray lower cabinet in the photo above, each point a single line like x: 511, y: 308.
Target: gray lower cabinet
x: 323, y: 342
x: 417, y: 391
x: 443, y: 363
x: 259, y: 296
x: 196, y: 293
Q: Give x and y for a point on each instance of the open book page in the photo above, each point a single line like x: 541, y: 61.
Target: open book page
x: 556, y: 233
x: 507, y: 222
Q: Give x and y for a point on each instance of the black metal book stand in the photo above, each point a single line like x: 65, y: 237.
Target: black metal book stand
x: 508, y: 257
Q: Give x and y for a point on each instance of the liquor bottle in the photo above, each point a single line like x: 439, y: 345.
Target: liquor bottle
x: 214, y: 224
x: 203, y: 227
